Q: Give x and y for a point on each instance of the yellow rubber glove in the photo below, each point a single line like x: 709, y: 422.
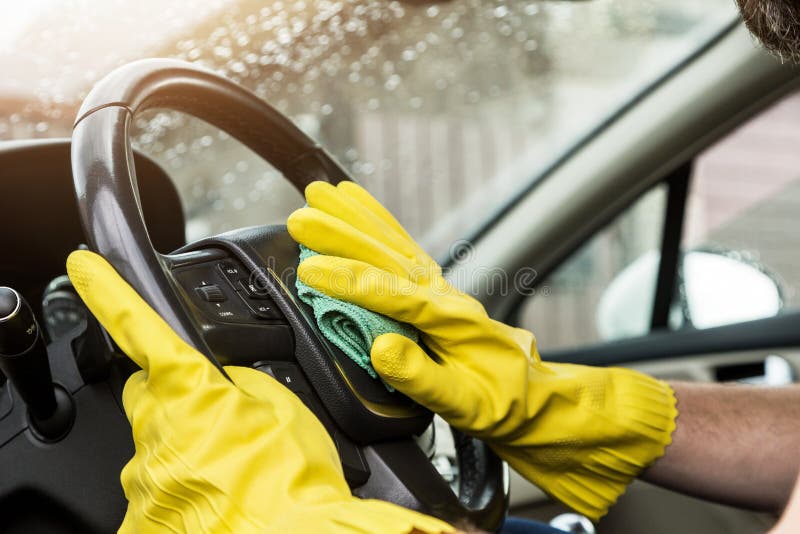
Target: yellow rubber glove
x: 579, y: 433
x: 215, y: 456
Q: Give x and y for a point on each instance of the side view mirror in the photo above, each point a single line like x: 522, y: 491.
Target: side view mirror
x: 713, y: 289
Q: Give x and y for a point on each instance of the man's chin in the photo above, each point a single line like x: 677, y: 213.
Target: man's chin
x: 776, y: 23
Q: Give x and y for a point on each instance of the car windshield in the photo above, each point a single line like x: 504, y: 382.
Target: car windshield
x: 444, y: 111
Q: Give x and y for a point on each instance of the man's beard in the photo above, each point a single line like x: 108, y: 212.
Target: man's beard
x: 776, y: 23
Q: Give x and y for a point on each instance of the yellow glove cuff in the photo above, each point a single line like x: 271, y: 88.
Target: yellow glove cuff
x: 617, y: 423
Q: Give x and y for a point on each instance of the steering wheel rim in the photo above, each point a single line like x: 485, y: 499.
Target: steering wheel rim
x: 108, y: 200
x: 103, y: 168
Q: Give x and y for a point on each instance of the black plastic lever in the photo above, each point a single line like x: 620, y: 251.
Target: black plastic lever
x: 23, y: 359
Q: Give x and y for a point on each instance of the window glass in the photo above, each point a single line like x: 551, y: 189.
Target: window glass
x: 444, y: 111
x: 605, y: 290
x: 743, y: 215
x: 222, y: 184
x: 738, y: 255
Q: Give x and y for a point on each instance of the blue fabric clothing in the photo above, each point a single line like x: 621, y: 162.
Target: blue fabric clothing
x: 517, y: 525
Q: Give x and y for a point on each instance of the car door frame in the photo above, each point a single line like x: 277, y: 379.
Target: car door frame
x: 752, y: 83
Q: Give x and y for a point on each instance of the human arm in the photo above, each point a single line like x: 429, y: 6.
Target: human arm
x: 735, y: 444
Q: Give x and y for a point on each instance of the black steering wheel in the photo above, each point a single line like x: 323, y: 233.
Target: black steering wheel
x: 232, y: 296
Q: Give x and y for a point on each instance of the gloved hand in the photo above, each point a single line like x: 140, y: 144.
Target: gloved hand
x: 216, y: 456
x: 579, y: 433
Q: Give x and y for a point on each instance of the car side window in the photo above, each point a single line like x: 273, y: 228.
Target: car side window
x: 572, y: 306
x: 740, y: 239
x: 737, y: 259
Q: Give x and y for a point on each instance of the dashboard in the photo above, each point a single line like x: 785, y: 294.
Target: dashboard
x: 39, y: 221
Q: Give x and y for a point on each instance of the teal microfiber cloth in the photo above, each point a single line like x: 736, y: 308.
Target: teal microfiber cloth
x: 350, y: 327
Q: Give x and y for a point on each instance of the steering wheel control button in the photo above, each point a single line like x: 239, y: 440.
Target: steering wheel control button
x: 208, y: 287
x: 263, y: 309
x: 356, y: 471
x: 208, y: 290
x: 289, y: 376
x: 231, y: 271
x: 251, y: 291
x: 211, y: 293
